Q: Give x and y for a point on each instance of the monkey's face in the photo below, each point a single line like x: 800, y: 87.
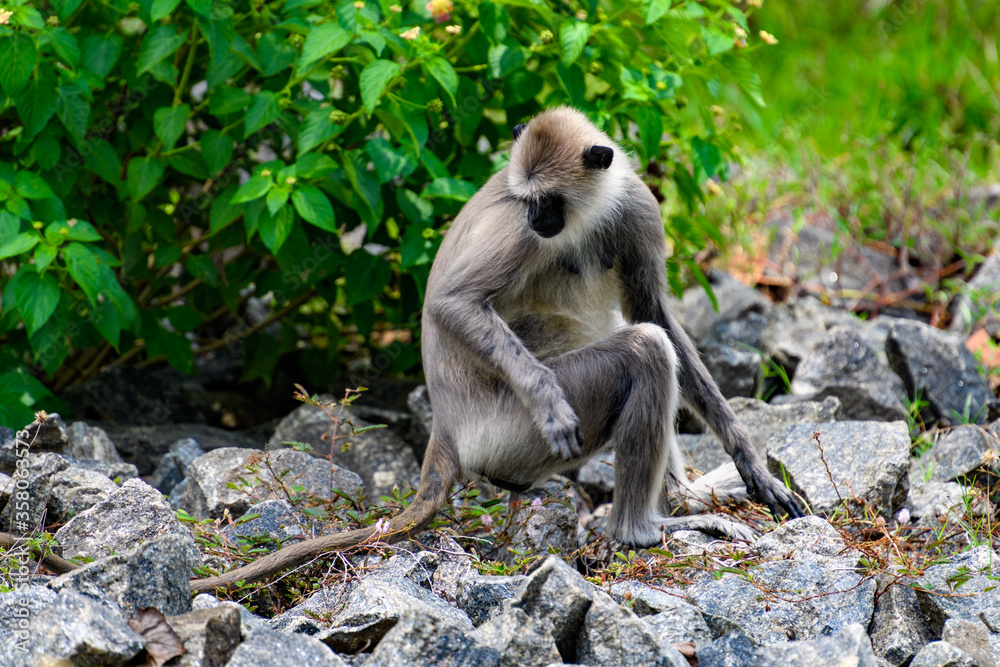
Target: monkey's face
x: 556, y: 166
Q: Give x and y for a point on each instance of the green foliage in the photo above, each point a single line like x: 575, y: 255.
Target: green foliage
x: 164, y: 161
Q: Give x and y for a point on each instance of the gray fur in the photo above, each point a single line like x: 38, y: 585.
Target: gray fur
x: 540, y: 352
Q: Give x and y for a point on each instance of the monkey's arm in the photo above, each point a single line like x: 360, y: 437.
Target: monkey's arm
x: 641, y: 266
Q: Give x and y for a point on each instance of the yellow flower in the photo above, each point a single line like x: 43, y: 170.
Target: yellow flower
x: 756, y: 4
x: 412, y: 33
x: 440, y: 10
x: 768, y: 38
x: 738, y: 31
x: 581, y: 15
x: 396, y: 9
x: 454, y: 29
x: 359, y: 5
x: 5, y: 15
x: 712, y: 187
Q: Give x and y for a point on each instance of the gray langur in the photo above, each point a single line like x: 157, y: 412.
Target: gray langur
x: 547, y: 338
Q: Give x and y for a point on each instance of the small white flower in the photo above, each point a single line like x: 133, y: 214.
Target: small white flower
x: 904, y: 516
x: 382, y: 526
x: 536, y: 503
x: 487, y: 520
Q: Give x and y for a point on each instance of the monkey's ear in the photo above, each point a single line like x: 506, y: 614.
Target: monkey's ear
x: 598, y: 157
x: 518, y: 129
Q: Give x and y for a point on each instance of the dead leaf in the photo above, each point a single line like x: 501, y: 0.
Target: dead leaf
x: 162, y: 643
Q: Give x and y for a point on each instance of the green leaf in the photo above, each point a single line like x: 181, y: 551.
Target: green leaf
x: 19, y: 244
x: 29, y: 17
x: 168, y: 123
x: 495, y: 21
x: 314, y: 207
x: 257, y: 186
x: 716, y: 41
x: 442, y: 72
x: 223, y: 212
x: 654, y: 10
x: 573, y: 36
x: 217, y: 150
x: 44, y: 254
x: 65, y: 45
x: 374, y: 79
x: 84, y: 269
x: 104, y: 161
x: 323, y: 40
x: 30, y: 185
x: 174, y: 346
x: 226, y: 100
x: 707, y: 159
x: 36, y: 104
x: 17, y: 61
x: 316, y: 129
x: 450, y: 188
x: 162, y: 8
x: 264, y: 109
x: 36, y: 296
x: 100, y: 53
x: 389, y: 162
x: 107, y: 322
x: 19, y: 395
x: 142, y: 175
x: 276, y: 198
x: 367, y: 275
x: 201, y: 266
x: 203, y: 7
x: 650, y: 123
x: 75, y: 230
x: 158, y: 43
x: 73, y: 109
x: 746, y: 77
x: 274, y: 229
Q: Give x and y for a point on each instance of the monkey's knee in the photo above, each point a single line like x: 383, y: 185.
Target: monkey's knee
x: 654, y: 347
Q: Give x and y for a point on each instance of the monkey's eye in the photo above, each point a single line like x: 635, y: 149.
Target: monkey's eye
x: 518, y: 129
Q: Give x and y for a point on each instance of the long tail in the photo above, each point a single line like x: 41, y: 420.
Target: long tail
x: 719, y: 484
x: 440, y: 471
x: 59, y: 565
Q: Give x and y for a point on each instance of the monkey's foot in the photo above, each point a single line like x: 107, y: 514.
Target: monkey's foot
x: 650, y: 535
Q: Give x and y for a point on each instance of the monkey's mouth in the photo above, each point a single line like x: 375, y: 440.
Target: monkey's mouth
x: 547, y: 215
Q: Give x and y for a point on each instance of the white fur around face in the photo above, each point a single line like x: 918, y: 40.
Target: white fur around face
x: 588, y: 207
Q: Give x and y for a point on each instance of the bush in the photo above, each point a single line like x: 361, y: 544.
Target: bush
x: 165, y: 162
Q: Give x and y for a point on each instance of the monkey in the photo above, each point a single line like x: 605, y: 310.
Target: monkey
x: 546, y: 338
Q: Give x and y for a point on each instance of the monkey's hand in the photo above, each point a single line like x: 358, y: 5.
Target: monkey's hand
x: 766, y: 489
x: 559, y: 424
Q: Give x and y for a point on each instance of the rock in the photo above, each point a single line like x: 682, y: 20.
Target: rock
x: 942, y: 654
x: 480, y: 596
x: 762, y: 421
x: 20, y: 605
x: 867, y: 460
x: 843, y: 365
x: 795, y: 327
x: 116, y: 472
x: 273, y: 519
x: 519, y: 640
x: 91, y: 442
x: 736, y: 301
x: 380, y: 457
x: 50, y: 436
x: 817, y: 593
x: 614, y: 635
x: 672, y: 619
x: 936, y: 367
x: 850, y: 646
x: 898, y: 630
x: 210, y: 636
x: 156, y: 574
x: 730, y: 650
x: 973, y: 638
x: 276, y: 649
x: 736, y: 369
x: 73, y: 628
x: 454, y: 566
x: 976, y: 571
x: 419, y: 402
x: 174, y: 464
x: 597, y: 475
x: 556, y: 594
x: 985, y: 286
x: 208, y: 494
x: 40, y: 471
x: 933, y: 504
x: 145, y: 446
x: 545, y: 523
x: 75, y: 490
x: 143, y: 397
x: 416, y: 640
x: 958, y: 452
x: 130, y: 516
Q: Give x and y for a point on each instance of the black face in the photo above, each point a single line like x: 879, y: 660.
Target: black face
x: 547, y: 215
x: 518, y: 129
x: 598, y: 157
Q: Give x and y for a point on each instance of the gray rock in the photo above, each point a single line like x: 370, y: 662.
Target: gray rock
x: 736, y: 301
x: 850, y: 646
x: 75, y: 490
x: 934, y: 504
x: 208, y: 494
x: 556, y: 594
x: 519, y: 640
x: 480, y: 596
x: 146, y: 445
x: 117, y: 472
x: 20, y: 604
x: 210, y: 636
x: 598, y: 474
x: 672, y: 619
x: 964, y: 589
x: 178, y: 496
x: 416, y: 640
x: 6, y: 488
x: 942, y: 654
x: 867, y: 460
x: 957, y: 453
x: 39, y: 473
x: 795, y: 327
x: 380, y: 457
x: 130, y: 395
x: 276, y: 649
x: 132, y: 515
x: 971, y: 637
x: 762, y: 421
x: 730, y: 650
x: 72, y: 628
x: 614, y: 636
x: 174, y: 464
x: 419, y: 402
x: 156, y: 574
x: 275, y: 520
x: 50, y: 436
x: 91, y: 442
x: 898, y: 629
x: 845, y: 366
x: 736, y: 369
x: 816, y: 594
x: 985, y: 287
x: 545, y: 523
x: 937, y: 367
x: 809, y: 538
